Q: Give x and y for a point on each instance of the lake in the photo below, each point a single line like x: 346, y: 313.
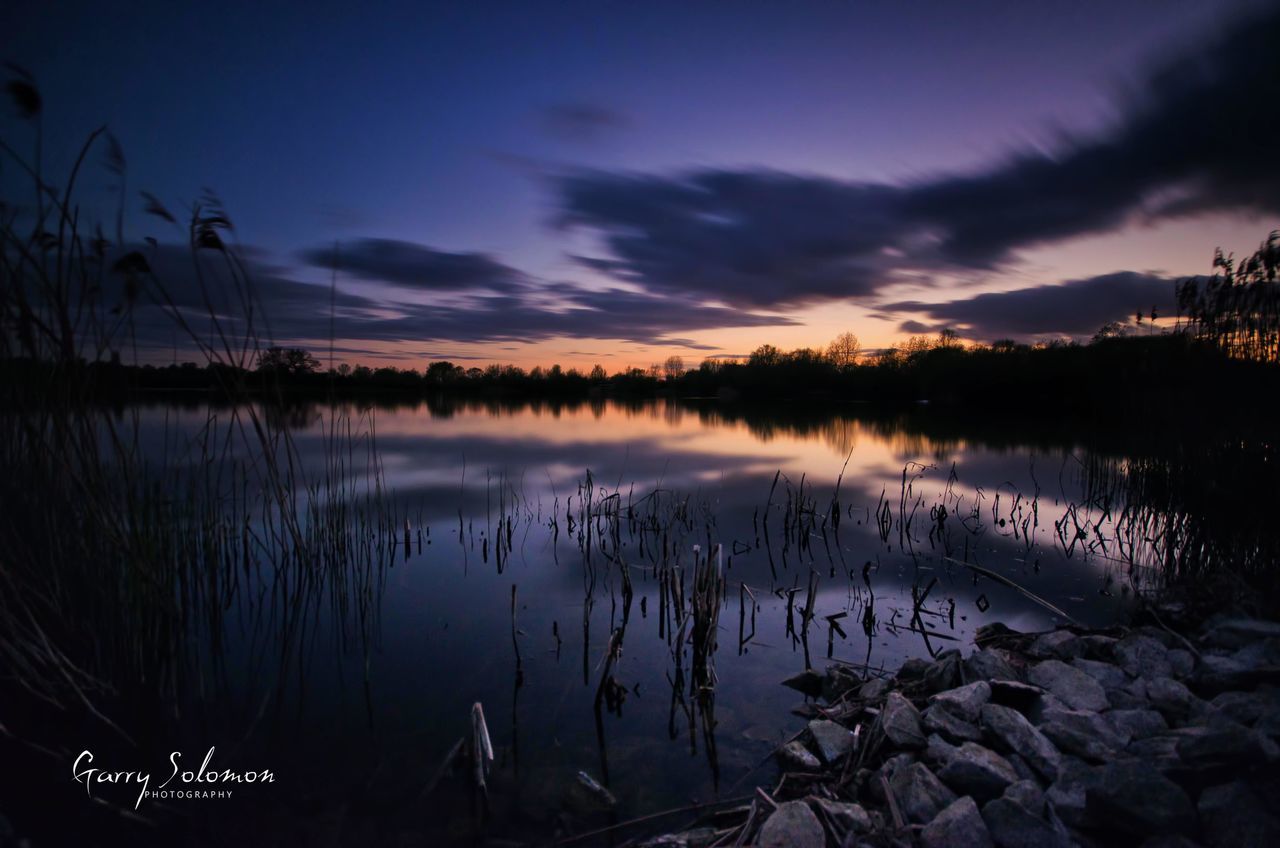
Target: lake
x: 493, y: 573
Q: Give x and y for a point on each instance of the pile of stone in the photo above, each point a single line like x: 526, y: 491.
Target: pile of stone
x: 1134, y: 736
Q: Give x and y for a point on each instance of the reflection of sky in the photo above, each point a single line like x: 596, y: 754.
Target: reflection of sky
x: 444, y: 640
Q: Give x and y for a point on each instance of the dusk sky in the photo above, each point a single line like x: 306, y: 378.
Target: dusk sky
x: 617, y: 182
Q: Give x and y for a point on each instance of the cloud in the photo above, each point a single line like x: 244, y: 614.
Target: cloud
x: 1196, y: 135
x: 417, y: 266
x: 292, y: 311
x: 1071, y: 308
x: 581, y: 122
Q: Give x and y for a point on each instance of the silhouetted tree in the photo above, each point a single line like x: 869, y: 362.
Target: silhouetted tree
x: 291, y: 361
x: 843, y: 350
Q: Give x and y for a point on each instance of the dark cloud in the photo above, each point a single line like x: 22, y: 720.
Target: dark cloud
x: 288, y: 310
x: 1196, y: 135
x: 580, y: 121
x: 409, y: 264
x: 1072, y: 308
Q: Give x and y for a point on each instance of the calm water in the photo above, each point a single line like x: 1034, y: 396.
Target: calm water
x: 355, y: 710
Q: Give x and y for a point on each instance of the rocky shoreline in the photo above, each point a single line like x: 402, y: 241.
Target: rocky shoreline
x: 1127, y: 736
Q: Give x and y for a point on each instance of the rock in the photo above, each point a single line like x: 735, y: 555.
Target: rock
x: 1217, y: 674
x: 1174, y: 701
x: 1161, y: 751
x: 796, y: 755
x: 1136, y: 724
x: 964, y: 701
x: 989, y: 664
x: 1013, y: 826
x: 792, y: 825
x: 875, y: 689
x: 1134, y: 797
x: 1170, y: 840
x: 1028, y: 795
x: 837, y: 682
x: 912, y: 669
x: 1011, y: 731
x: 1011, y: 693
x: 1246, y: 707
x: 937, y: 751
x: 1227, y: 747
x: 1058, y: 644
x: 1182, y: 661
x: 1238, y: 632
x: 900, y: 721
x: 1233, y: 816
x: 1067, y: 794
x: 850, y: 818
x: 919, y: 793
x: 1085, y: 734
x: 959, y: 824
x: 1069, y: 684
x: 977, y: 771
x: 944, y: 672
x: 832, y: 740
x: 996, y: 631
x: 696, y: 838
x: 1025, y: 772
x: 1099, y: 647
x: 1131, y: 697
x: 807, y: 682
x: 1142, y: 656
x: 938, y: 719
x: 1107, y: 675
x: 887, y: 770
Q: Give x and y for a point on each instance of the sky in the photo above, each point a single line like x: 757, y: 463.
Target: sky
x: 618, y: 182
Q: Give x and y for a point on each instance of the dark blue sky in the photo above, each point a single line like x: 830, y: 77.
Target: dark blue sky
x: 667, y: 142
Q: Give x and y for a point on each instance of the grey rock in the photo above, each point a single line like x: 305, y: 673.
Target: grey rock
x: 792, y: 825
x: 964, y: 701
x: 1086, y: 734
x: 1142, y: 656
x: 850, y: 818
x: 900, y: 721
x: 796, y: 755
x: 1099, y: 647
x: 875, y: 689
x: 1069, y: 685
x: 1170, y: 840
x: 919, y: 793
x: 1013, y: 826
x: 887, y: 770
x: 808, y: 682
x: 839, y: 681
x: 1245, y: 707
x: 1174, y: 700
x: 943, y: 673
x: 960, y: 824
x: 1108, y: 675
x: 1161, y: 751
x: 832, y: 740
x: 1182, y: 661
x: 1011, y: 731
x: 912, y: 669
x: 989, y: 664
x: 1136, y: 724
x: 1028, y: 795
x: 1226, y: 747
x: 1217, y: 674
x: 695, y: 838
x: 938, y: 719
x: 1012, y: 693
x: 938, y: 751
x: 1238, y: 632
x: 977, y: 771
x: 1067, y: 794
x: 1233, y: 816
x: 1134, y: 797
x: 1058, y: 644
x: 1025, y: 772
